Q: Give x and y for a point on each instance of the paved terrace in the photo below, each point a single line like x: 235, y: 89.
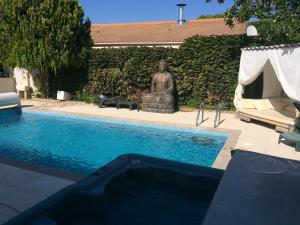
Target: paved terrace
x: 21, y: 188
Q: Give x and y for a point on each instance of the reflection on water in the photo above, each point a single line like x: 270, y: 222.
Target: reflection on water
x: 203, y: 140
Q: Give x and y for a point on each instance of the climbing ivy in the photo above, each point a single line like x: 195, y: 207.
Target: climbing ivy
x: 204, y: 69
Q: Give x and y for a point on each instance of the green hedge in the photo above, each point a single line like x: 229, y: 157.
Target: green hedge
x: 204, y: 69
x: 68, y: 79
x: 124, y: 71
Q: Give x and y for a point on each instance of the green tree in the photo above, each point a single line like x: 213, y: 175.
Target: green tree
x: 44, y: 34
x: 219, y: 15
x: 269, y: 32
x: 281, y: 16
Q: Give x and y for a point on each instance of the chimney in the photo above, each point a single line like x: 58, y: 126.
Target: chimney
x: 181, y: 19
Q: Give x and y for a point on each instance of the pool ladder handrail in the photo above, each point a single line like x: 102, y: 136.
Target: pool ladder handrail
x: 218, y: 120
x: 200, y: 111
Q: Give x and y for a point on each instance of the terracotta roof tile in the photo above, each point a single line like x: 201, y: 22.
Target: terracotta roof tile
x: 164, y: 31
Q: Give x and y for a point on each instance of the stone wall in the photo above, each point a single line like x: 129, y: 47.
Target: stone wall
x: 7, y: 85
x: 25, y: 78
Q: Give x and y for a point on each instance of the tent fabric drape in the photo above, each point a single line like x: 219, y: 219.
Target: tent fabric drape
x: 286, y: 65
x: 270, y: 80
x: 251, y: 65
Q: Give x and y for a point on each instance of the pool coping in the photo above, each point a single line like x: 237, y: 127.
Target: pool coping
x: 41, y: 169
x: 220, y: 162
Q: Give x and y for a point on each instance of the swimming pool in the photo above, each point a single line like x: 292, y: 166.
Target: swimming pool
x: 82, y: 145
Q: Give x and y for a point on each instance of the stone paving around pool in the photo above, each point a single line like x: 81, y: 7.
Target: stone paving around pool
x: 21, y: 188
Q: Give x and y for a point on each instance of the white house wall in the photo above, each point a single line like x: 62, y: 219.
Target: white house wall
x: 7, y: 85
x: 20, y: 75
x: 126, y: 45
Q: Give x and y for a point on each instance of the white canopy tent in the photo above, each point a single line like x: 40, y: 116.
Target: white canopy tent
x: 280, y: 66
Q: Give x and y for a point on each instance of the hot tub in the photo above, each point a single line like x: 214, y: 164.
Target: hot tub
x: 256, y: 189
x: 131, y: 190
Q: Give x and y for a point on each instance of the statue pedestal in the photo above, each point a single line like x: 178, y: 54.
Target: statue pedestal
x: 158, y: 108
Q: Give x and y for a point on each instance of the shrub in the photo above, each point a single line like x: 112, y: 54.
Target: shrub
x: 81, y: 96
x: 204, y: 69
x: 105, y: 81
x: 124, y: 71
x: 68, y: 79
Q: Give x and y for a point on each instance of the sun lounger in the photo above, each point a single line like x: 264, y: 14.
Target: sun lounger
x: 130, y: 103
x: 106, y: 101
x: 292, y: 136
x: 279, y: 112
x: 9, y: 99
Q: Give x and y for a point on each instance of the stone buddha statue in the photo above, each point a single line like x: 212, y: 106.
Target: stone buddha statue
x: 161, y: 98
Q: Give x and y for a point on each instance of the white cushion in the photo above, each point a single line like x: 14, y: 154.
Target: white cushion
x: 262, y: 104
x: 246, y: 104
x: 278, y: 103
x: 283, y: 104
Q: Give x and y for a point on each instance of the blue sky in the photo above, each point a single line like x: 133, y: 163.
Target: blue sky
x: 123, y: 11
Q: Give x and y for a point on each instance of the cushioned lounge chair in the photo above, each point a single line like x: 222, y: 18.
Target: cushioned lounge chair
x: 276, y: 111
x: 295, y: 135
x: 107, y: 101
x: 130, y: 103
x: 9, y: 99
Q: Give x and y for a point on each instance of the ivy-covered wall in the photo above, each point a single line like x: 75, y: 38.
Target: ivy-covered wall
x: 203, y: 68
x: 125, y: 71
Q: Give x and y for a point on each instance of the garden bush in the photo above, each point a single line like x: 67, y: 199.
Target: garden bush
x: 123, y: 71
x: 203, y: 68
x: 68, y: 79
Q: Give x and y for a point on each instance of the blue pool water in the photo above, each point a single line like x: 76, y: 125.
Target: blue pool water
x: 82, y: 145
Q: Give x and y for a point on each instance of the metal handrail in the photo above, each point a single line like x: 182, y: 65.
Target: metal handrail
x: 218, y: 120
x: 200, y: 111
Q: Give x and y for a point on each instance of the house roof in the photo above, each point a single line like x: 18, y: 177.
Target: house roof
x: 161, y: 32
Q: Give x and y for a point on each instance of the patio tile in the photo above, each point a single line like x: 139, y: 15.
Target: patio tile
x: 16, y: 177
x: 18, y: 200
x: 4, y: 189
x: 21, y: 200
x: 46, y: 185
x: 6, y: 213
x: 21, y: 189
